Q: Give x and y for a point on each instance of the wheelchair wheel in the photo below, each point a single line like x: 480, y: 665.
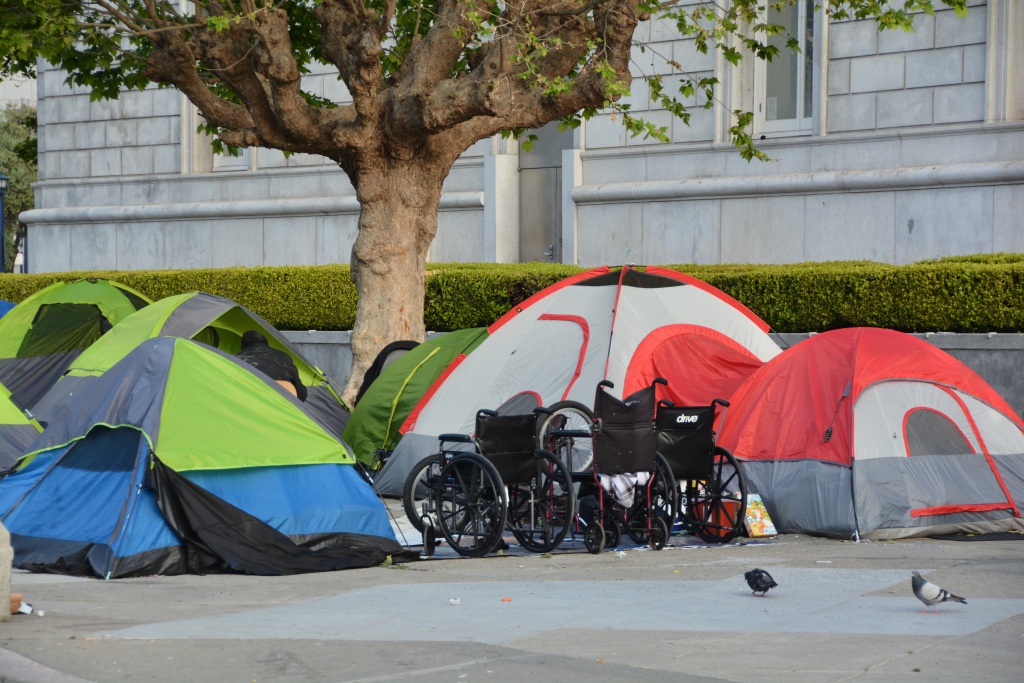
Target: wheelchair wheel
x: 664, y: 503
x: 472, y: 505
x: 658, y: 536
x: 593, y: 538
x: 716, y: 507
x: 576, y: 452
x: 418, y: 490
x: 541, y: 512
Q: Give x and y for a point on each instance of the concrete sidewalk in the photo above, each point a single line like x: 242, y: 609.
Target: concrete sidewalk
x: 842, y: 612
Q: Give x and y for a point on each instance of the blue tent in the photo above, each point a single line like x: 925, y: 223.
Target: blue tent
x: 181, y: 459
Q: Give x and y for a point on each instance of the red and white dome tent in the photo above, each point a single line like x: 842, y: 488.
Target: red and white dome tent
x: 625, y: 325
x: 877, y: 433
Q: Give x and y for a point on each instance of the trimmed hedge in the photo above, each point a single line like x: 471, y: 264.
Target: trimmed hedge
x: 288, y: 297
x: 459, y: 297
x: 950, y: 297
x: 983, y: 293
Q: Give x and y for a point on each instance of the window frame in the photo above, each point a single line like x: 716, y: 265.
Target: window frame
x: 802, y: 125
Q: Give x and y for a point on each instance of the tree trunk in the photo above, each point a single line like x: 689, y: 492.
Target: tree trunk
x: 397, y: 222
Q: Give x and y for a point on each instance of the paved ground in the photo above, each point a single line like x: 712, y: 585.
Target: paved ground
x: 843, y: 612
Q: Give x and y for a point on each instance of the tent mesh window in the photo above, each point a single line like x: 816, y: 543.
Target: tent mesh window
x: 931, y: 433
x: 62, y: 327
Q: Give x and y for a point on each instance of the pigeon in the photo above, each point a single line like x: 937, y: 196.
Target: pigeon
x: 930, y: 594
x: 759, y: 581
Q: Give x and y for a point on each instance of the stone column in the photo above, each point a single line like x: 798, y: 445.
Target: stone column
x: 572, y: 177
x: 501, y: 201
x: 1004, y: 84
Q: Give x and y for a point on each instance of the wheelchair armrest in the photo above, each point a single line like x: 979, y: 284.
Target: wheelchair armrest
x: 574, y: 433
x: 460, y: 438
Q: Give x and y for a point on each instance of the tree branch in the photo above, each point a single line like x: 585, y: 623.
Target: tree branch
x: 351, y: 39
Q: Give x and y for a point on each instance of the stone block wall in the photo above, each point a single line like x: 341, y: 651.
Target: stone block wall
x: 136, y: 135
x: 892, y: 79
x: 913, y: 153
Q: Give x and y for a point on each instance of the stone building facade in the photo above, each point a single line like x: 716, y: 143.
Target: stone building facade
x: 889, y: 146
x: 17, y: 91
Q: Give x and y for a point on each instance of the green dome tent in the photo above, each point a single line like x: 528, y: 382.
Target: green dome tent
x: 372, y: 430
x: 41, y: 336
x: 212, y: 320
x: 17, y: 431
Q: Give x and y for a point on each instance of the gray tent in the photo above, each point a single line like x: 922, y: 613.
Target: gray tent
x: 210, y: 319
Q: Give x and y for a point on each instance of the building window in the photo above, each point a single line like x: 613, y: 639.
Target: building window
x: 784, y: 87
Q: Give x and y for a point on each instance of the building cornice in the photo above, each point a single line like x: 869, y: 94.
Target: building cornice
x: 306, y: 206
x: 874, y: 180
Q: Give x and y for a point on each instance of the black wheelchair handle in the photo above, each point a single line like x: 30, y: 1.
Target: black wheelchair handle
x: 665, y: 403
x: 488, y: 413
x: 461, y: 438
x: 606, y: 383
x: 660, y: 380
x: 541, y: 410
x: 720, y: 401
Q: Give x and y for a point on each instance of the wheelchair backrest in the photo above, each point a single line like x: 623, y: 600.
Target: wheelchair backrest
x: 509, y: 442
x: 625, y: 441
x: 686, y: 439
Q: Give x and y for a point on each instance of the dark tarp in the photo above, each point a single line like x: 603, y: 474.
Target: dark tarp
x: 218, y: 533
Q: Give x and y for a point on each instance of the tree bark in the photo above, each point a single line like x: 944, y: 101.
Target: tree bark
x: 397, y: 222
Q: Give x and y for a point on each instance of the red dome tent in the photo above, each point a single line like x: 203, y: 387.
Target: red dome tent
x: 874, y: 432
x: 625, y: 325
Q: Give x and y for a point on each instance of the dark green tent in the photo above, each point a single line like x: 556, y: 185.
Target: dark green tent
x: 372, y: 429
x: 42, y: 336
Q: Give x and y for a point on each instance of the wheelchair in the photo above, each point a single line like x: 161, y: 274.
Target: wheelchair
x: 504, y: 482
x: 711, y: 496
x: 625, y: 456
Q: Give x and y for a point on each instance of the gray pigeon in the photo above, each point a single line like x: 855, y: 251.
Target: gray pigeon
x: 930, y: 594
x: 759, y: 581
